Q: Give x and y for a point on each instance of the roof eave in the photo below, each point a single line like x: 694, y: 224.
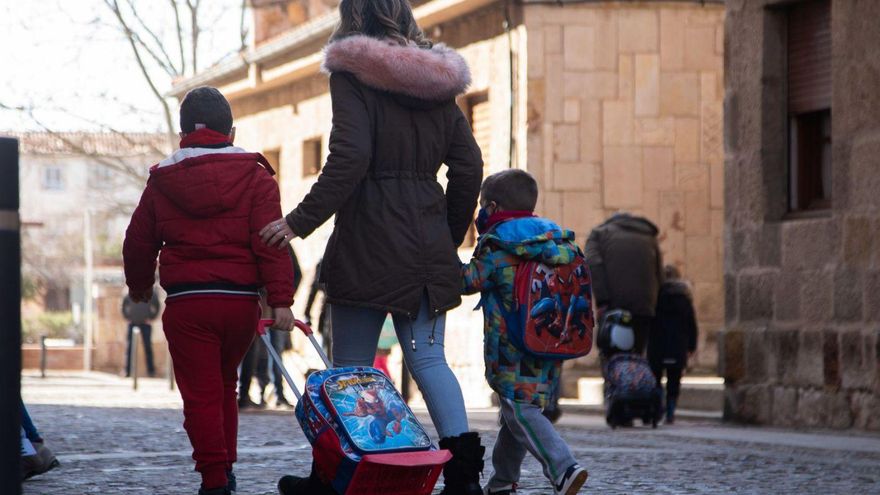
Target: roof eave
x: 244, y: 75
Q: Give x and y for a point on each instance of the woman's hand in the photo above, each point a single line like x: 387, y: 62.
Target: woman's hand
x: 277, y: 234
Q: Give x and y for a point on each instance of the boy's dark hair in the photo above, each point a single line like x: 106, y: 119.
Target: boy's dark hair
x: 205, y: 105
x: 511, y: 189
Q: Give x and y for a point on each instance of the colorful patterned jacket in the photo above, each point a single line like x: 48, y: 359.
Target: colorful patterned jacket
x: 511, y: 373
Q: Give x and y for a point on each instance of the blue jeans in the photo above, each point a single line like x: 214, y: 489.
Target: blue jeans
x: 356, y: 336
x: 27, y: 423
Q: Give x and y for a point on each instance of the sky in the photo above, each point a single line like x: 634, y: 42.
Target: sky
x: 68, y: 63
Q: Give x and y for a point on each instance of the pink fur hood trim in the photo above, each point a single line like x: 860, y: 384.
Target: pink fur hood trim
x: 435, y: 74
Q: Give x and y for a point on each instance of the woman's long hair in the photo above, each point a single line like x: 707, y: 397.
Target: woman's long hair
x: 384, y: 19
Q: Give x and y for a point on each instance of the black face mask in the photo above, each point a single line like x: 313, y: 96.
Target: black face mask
x: 482, y: 221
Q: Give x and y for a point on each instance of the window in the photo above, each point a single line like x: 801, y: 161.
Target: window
x: 274, y: 158
x: 312, y: 157
x: 476, y: 108
x: 809, y: 106
x: 57, y: 297
x: 101, y: 176
x: 53, y: 179
x: 480, y: 116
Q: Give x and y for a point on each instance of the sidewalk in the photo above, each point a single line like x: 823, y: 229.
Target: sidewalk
x: 113, y: 440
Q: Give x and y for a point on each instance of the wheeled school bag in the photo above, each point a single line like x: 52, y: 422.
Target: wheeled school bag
x: 631, y: 391
x: 552, y: 315
x: 615, y: 332
x: 365, y: 439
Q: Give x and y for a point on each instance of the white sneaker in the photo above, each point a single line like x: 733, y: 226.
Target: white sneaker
x: 572, y: 481
x: 503, y: 490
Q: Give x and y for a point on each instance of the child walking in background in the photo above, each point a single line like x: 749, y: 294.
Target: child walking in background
x: 673, y: 337
x: 203, y: 208
x: 511, y: 234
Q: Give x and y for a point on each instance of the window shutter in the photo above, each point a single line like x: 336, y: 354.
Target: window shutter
x: 809, y: 57
x: 481, y: 123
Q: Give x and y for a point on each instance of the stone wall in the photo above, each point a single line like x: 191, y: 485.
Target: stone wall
x: 625, y: 113
x: 801, y: 345
x: 280, y: 120
x: 612, y: 106
x: 274, y: 18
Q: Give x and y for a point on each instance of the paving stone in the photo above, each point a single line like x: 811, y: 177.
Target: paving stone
x: 142, y: 449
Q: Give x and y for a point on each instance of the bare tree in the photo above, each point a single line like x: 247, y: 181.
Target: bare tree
x: 149, y: 49
x: 129, y: 170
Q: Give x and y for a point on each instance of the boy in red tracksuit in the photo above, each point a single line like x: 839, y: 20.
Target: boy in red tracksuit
x: 203, y: 208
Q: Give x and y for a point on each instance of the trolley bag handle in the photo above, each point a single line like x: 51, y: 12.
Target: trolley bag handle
x: 267, y: 340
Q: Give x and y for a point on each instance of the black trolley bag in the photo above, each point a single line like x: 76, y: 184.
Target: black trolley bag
x: 631, y: 390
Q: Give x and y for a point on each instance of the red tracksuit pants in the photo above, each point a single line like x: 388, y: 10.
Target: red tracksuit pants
x: 208, y: 336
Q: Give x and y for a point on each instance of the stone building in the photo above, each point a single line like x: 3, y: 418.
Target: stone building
x: 611, y: 105
x: 66, y: 177
x: 801, y: 344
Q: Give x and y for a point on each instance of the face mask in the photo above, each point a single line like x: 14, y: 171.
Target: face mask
x: 482, y: 221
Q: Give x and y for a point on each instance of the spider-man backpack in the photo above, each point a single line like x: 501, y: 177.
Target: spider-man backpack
x: 552, y: 315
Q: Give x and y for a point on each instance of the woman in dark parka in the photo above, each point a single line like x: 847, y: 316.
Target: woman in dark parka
x: 393, y: 248
x: 673, y: 336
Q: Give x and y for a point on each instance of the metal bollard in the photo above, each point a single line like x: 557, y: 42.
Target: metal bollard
x: 43, y: 356
x: 170, y: 366
x: 133, y: 358
x: 10, y: 324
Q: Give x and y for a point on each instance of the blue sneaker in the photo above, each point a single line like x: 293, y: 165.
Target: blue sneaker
x: 572, y: 481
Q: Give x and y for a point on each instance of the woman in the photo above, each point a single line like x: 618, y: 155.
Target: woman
x: 393, y: 249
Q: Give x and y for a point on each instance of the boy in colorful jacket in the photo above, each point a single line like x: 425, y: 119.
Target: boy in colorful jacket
x: 203, y: 208
x: 510, y: 233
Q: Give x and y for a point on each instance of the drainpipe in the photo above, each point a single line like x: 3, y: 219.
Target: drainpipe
x: 511, y: 163
x: 88, y: 291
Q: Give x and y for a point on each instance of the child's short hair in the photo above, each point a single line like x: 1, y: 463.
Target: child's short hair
x: 512, y: 189
x: 205, y: 106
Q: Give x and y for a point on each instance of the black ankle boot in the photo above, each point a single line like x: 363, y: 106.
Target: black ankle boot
x: 294, y: 485
x: 462, y: 474
x: 231, y: 482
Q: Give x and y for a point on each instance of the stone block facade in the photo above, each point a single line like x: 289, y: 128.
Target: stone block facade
x: 610, y: 105
x: 801, y: 344
x: 625, y: 113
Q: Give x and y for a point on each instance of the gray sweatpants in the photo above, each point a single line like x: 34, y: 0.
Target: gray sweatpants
x: 525, y: 429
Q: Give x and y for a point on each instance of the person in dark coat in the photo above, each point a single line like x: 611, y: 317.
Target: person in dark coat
x: 393, y: 248
x: 626, y: 270
x: 257, y: 361
x: 324, y: 326
x: 140, y: 316
x: 673, y: 336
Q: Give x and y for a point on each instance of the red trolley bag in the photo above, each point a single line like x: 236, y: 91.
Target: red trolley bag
x: 365, y: 439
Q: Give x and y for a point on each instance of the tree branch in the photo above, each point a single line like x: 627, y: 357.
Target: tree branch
x: 193, y: 6
x: 242, y: 29
x: 113, y: 5
x: 166, y: 62
x: 179, y: 27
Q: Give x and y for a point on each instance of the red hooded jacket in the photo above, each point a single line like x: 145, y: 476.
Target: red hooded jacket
x: 203, y: 208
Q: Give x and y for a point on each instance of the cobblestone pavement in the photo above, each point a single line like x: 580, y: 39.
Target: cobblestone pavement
x: 111, y: 440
